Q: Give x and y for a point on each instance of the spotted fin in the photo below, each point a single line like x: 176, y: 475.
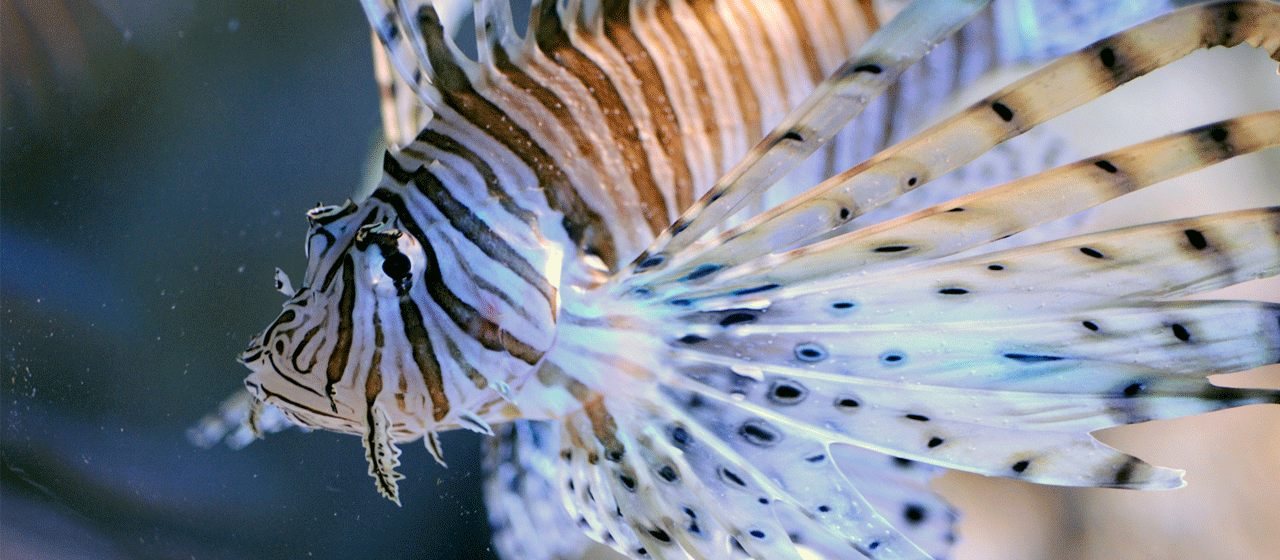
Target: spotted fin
x: 523, y: 496
x: 1060, y: 86
x: 835, y: 101
x: 707, y: 481
x: 719, y: 394
x: 381, y: 452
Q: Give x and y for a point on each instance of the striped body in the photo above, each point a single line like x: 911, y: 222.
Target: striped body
x: 561, y: 239
x: 541, y: 164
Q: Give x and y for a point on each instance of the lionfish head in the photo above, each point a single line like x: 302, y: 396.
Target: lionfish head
x: 381, y: 326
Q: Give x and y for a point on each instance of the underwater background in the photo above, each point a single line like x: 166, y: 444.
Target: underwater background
x: 157, y: 161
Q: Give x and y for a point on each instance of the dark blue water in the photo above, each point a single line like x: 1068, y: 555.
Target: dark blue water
x: 147, y: 198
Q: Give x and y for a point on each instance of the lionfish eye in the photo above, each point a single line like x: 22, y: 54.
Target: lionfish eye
x: 396, y: 266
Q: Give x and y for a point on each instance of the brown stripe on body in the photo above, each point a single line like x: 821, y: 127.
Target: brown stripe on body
x: 698, y: 85
x: 337, y: 265
x: 295, y: 405
x: 618, y: 29
x: 767, y: 45
x: 402, y: 389
x: 302, y: 345
x: 583, y: 224
x: 424, y: 357
x: 495, y: 188
x: 551, y: 375
x: 604, y: 427
x: 748, y: 105
x: 465, y: 222
x: 481, y: 235
x: 271, y: 360
x: 554, y: 41
x: 870, y: 17
x: 602, y: 423
x: 556, y: 106
x: 373, y: 382
x: 285, y: 317
x: 343, y: 337
x: 802, y: 37
x: 478, y: 379
x: 484, y: 331
x: 481, y: 284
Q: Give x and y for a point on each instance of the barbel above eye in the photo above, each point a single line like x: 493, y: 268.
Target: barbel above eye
x: 380, y: 234
x: 324, y: 215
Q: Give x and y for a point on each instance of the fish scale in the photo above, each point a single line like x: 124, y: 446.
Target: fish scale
x: 783, y: 386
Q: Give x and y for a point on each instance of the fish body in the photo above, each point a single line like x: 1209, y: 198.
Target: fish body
x: 579, y: 253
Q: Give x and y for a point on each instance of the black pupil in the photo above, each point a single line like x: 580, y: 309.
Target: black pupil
x: 396, y: 266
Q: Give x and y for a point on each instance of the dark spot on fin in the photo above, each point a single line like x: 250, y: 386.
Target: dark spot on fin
x: 1092, y: 253
x: 758, y: 433
x: 701, y: 272
x: 737, y: 317
x: 681, y: 224
x: 680, y: 436
x: 1124, y: 474
x: 810, y: 352
x: 650, y: 262
x: 1003, y: 110
x: 1133, y: 390
x: 1180, y: 332
x: 668, y: 473
x: 756, y: 289
x: 692, y: 339
x: 891, y: 249
x: 1106, y: 166
x: 1031, y: 358
x: 934, y: 442
x: 1196, y: 239
x: 1021, y: 466
x: 915, y: 514
x: 786, y: 391
x: 793, y: 135
x: 730, y: 476
x: 868, y: 68
x: 1108, y: 57
x: 917, y: 417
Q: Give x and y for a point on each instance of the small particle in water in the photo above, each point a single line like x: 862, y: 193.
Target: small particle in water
x: 240, y: 269
x: 233, y: 25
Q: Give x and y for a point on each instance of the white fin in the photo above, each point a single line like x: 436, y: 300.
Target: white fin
x: 381, y: 452
x: 523, y: 496
x: 283, y: 285
x: 239, y: 420
x: 470, y: 421
x: 718, y: 392
x: 432, y: 441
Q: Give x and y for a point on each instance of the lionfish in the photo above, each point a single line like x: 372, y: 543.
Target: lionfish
x: 574, y: 249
